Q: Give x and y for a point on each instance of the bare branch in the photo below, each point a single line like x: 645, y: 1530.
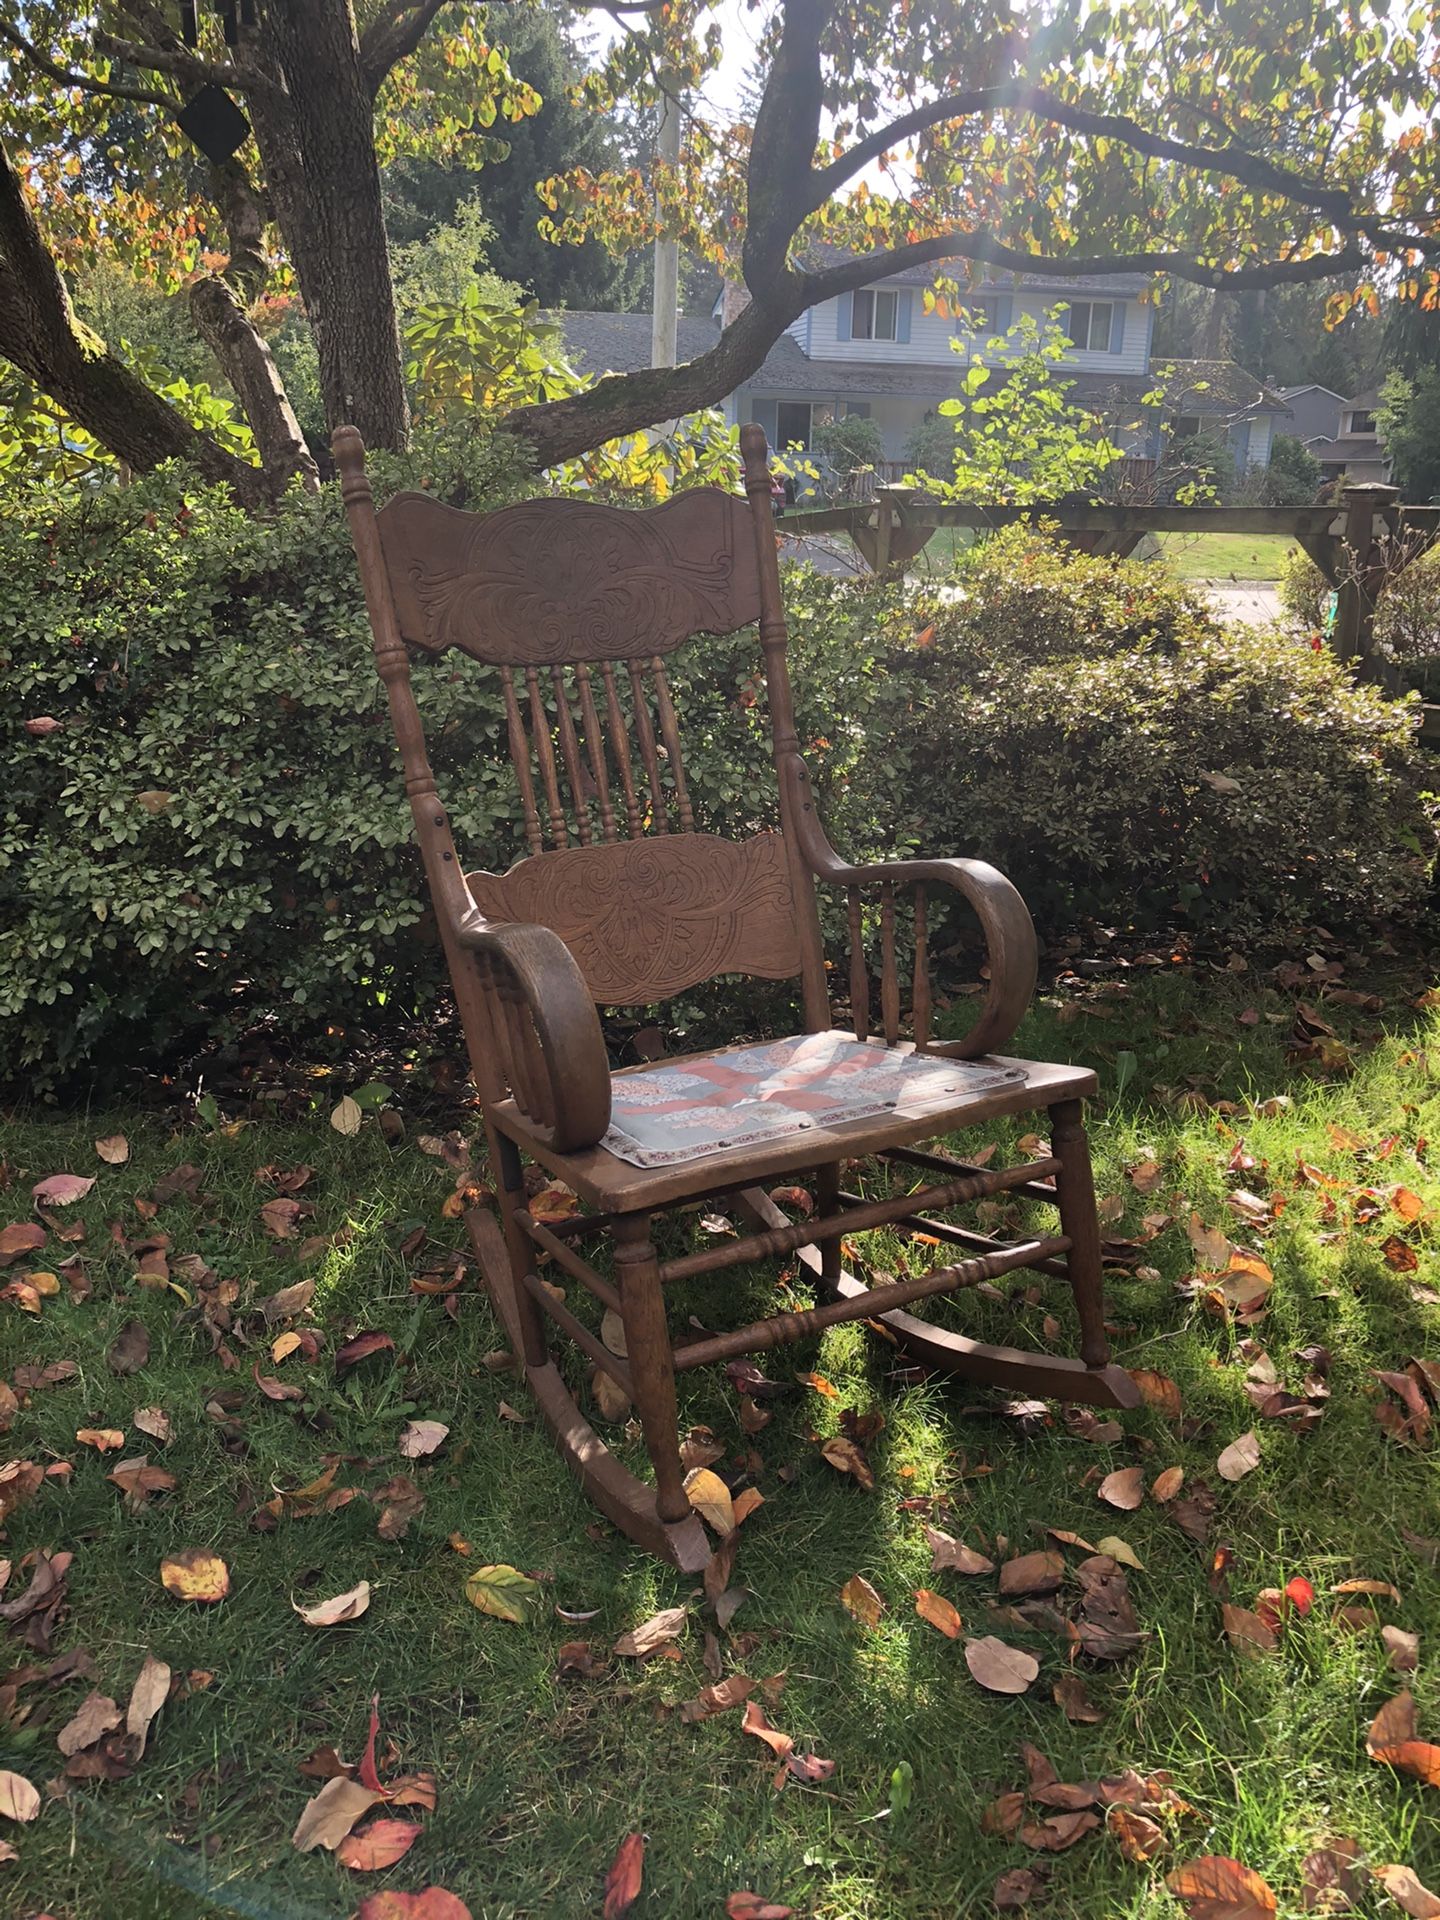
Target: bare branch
x: 393, y: 35
x: 87, y: 82
x: 183, y: 64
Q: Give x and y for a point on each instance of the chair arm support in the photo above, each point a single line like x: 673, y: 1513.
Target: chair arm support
x: 537, y: 995
x: 1004, y: 919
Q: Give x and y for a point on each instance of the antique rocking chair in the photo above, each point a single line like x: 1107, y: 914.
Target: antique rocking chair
x: 576, y: 604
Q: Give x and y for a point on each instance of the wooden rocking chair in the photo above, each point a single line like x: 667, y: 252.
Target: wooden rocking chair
x: 576, y: 605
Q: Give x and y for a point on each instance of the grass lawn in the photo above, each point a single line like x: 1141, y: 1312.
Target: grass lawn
x: 540, y: 1777
x: 1224, y: 556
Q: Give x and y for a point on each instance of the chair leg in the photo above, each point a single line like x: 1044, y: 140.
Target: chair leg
x: 827, y: 1201
x: 651, y: 1362
x: 535, y: 1351
x: 1075, y: 1188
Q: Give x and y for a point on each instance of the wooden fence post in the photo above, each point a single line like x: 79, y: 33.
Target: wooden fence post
x: 1361, y: 571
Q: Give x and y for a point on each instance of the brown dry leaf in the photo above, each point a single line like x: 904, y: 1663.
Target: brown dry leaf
x: 1140, y: 1838
x: 130, y: 1348
x: 153, y: 1421
x: 846, y: 1457
x: 1242, y: 1456
x: 612, y: 1403
x: 935, y: 1608
x: 1403, y: 1648
x: 746, y: 1501
x: 1212, y: 1247
x: 780, y: 1744
x: 1217, y: 1887
x: 61, y: 1189
x: 1167, y: 1484
x: 711, y: 1499
x: 752, y: 1906
x: 288, y: 1301
x: 948, y: 1553
x: 612, y: 1332
x: 1125, y: 1488
x: 1059, y: 1831
x: 23, y: 1237
x: 1015, y: 1889
x: 1406, y: 1889
x: 1002, y: 1817
x: 399, y: 1500
x: 623, y: 1881
x: 720, y: 1698
x: 103, y: 1439
x: 149, y: 1693
x: 274, y: 1389
x: 332, y: 1813
x: 345, y: 1606
x: 379, y: 1845
x: 1385, y: 1588
x: 1394, y: 1723
x: 861, y: 1601
x: 1001, y: 1668
x: 278, y: 1217
x: 1031, y: 1573
x: 97, y: 1715
x: 1159, y: 1391
x: 140, y: 1480
x: 114, y: 1149
x: 18, y: 1799
x: 820, y: 1384
x: 1074, y: 1702
x: 195, y: 1574
x: 1419, y: 1758
x: 1247, y: 1630
x: 419, y: 1438
x: 1329, y: 1880
x: 360, y: 1346
x: 652, y: 1633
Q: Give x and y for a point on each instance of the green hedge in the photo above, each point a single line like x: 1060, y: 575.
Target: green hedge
x: 213, y: 828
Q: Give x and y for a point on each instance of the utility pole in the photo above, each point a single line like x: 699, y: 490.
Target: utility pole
x: 663, y: 327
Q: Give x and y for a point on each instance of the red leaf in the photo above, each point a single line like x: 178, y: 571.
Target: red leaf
x: 367, y: 1775
x: 61, y: 1189
x: 433, y: 1904
x: 752, y: 1906
x: 359, y: 1347
x: 377, y: 1846
x: 627, y: 1870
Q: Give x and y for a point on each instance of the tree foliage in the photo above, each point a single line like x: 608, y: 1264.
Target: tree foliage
x: 1409, y: 422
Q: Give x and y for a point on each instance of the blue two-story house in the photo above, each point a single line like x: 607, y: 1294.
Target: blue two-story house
x: 879, y: 353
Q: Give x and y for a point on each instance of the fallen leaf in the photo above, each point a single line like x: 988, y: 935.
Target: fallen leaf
x: 103, y: 1439
x: 1140, y: 1838
x: 1125, y: 1488
x: 755, y: 1722
x: 18, y: 1799
x: 1403, y: 1648
x: 1158, y: 1390
x: 846, y: 1457
x: 1211, y: 1246
x: 623, y: 1881
x: 1074, y: 1702
x: 346, y: 1117
x: 140, y: 1480
x: 1119, y: 1550
x: 130, y: 1348
x: 710, y: 1497
x: 195, y: 1574
x: 289, y: 1300
x: 1242, y: 1456
x: 379, y: 1845
x: 1246, y: 1629
x: 149, y: 1693
x: 720, y: 1698
x: 274, y: 1389
x: 399, y: 1500
x: 1329, y: 1880
x: 1059, y: 1831
x: 433, y: 1904
x: 1015, y: 1889
x: 1002, y: 1817
x: 61, y: 1189
x: 21, y: 1238
x: 1408, y: 1892
x: 345, y: 1606
x: 332, y: 1813
x: 935, y: 1608
x: 418, y: 1438
x: 947, y: 1552
x: 652, y: 1633
x: 97, y: 1715
x: 1031, y: 1573
x: 1167, y: 1485
x: 751, y: 1906
x: 503, y: 1592
x: 278, y: 1217
x: 1000, y: 1668
x: 1216, y: 1887
x: 1419, y: 1758
x: 861, y: 1601
x: 1382, y: 1587
x: 360, y: 1346
x: 114, y: 1149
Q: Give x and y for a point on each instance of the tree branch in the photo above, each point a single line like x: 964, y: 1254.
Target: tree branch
x: 68, y: 77
x: 393, y: 35
x: 183, y: 64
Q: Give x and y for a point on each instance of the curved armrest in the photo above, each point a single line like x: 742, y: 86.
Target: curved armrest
x: 1004, y: 918
x: 546, y: 1029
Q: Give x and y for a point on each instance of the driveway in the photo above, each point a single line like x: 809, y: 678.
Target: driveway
x: 1254, y: 603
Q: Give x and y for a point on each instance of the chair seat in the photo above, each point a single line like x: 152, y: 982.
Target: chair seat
x: 699, y: 1122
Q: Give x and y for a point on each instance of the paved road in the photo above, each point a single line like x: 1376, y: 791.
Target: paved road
x: 1254, y: 603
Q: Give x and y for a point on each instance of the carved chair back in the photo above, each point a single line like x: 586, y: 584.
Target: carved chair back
x: 577, y: 606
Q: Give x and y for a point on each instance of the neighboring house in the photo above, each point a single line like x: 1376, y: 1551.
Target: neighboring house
x: 1341, y: 433
x: 878, y: 353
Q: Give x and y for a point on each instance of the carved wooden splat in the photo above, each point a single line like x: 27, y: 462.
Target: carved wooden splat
x: 556, y: 580
x: 648, y: 918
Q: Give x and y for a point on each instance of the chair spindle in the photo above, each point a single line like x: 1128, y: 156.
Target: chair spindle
x: 670, y: 734
x: 889, y: 978
x: 645, y: 734
x: 859, y: 978
x: 570, y: 750
x: 620, y: 748
x: 920, y: 988
x: 595, y: 747
x: 545, y: 754
x: 520, y: 757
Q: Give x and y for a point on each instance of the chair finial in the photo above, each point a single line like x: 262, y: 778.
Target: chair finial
x: 755, y: 452
x: 349, y: 450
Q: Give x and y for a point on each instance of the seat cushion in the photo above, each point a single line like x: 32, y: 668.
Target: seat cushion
x: 746, y: 1096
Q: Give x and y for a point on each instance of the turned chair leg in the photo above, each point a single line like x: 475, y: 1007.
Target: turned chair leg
x: 652, y: 1365
x: 827, y: 1201
x: 1075, y: 1189
x: 534, y: 1349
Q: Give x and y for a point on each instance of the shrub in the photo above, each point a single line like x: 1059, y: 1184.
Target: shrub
x: 1304, y: 590
x: 213, y: 829
x: 1093, y: 731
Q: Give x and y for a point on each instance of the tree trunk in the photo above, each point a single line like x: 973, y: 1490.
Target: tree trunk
x: 317, y: 142
x: 245, y: 357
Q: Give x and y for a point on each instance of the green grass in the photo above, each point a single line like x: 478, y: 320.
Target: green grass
x: 540, y: 1779
x: 1224, y: 556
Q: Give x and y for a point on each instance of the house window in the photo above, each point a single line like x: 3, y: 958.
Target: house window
x: 1363, y: 422
x: 874, y: 315
x: 1090, y: 324
x: 792, y: 424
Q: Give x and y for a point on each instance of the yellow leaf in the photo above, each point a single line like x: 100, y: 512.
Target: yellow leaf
x: 503, y: 1592
x: 710, y: 1497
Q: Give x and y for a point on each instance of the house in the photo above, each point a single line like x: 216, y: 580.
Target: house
x: 1342, y: 434
x: 876, y: 351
